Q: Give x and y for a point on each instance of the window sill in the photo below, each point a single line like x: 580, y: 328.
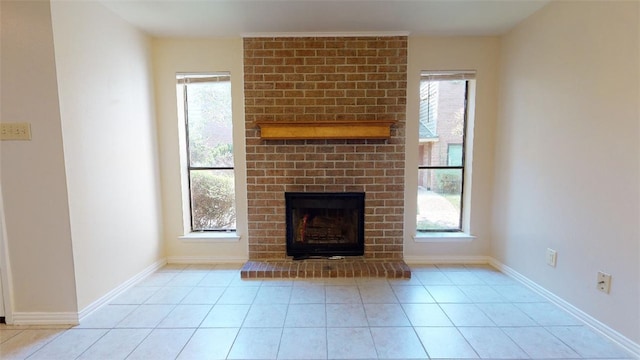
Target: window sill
x: 211, y: 236
x: 432, y: 237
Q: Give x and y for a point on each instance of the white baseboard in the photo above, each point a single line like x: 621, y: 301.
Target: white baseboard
x: 45, y: 318
x: 446, y: 259
x: 120, y: 289
x: 587, y: 319
x: 205, y: 259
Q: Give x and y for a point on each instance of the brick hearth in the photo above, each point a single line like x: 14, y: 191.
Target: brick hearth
x: 312, y: 268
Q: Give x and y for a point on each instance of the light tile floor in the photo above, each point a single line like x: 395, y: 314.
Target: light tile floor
x: 208, y: 312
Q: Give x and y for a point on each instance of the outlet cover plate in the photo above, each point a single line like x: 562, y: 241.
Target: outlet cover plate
x: 552, y: 257
x: 604, y: 282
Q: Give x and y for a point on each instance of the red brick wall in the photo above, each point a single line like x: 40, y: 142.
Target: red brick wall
x: 325, y: 79
x: 450, y: 115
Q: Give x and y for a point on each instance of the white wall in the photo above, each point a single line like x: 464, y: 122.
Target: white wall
x: 32, y: 172
x: 567, y: 156
x: 457, y: 53
x: 110, y: 150
x: 182, y: 55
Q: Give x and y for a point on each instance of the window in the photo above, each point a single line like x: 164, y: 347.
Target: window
x: 441, y: 161
x: 206, y: 104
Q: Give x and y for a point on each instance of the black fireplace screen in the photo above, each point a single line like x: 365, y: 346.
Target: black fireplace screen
x: 325, y: 224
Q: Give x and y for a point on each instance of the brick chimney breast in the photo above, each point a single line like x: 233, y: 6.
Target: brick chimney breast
x: 307, y: 79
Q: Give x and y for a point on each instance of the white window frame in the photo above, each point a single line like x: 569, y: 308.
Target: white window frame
x: 239, y: 155
x: 411, y: 168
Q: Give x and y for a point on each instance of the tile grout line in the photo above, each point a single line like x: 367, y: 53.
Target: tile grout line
x: 359, y: 286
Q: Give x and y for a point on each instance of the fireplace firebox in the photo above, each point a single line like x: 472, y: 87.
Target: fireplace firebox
x: 324, y: 224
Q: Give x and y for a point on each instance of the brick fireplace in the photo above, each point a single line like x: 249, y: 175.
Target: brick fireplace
x: 325, y: 79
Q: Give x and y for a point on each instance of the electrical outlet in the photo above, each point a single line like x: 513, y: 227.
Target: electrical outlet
x: 15, y: 131
x: 552, y: 257
x: 604, y: 282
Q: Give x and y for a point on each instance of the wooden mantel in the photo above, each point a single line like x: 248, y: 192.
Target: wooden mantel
x: 325, y: 130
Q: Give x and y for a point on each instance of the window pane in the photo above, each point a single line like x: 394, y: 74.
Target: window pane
x: 210, y: 126
x: 212, y: 200
x: 441, y: 120
x: 439, y: 199
x: 454, y: 157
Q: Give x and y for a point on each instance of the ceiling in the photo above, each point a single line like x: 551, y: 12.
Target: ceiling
x: 214, y: 18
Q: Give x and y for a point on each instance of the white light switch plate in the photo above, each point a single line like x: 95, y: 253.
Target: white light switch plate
x: 15, y: 131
